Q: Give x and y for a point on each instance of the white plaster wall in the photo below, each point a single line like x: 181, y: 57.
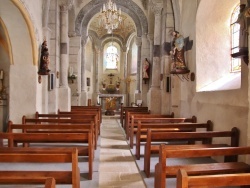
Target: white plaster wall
x: 213, y: 40
x: 225, y: 108
x: 24, y: 99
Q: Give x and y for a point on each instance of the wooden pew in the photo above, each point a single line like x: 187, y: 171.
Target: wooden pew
x: 228, y: 166
x: 127, y: 121
x: 206, y: 138
x: 123, y: 109
x: 51, y: 128
x: 85, y: 113
x: 219, y: 180
x: 170, y: 127
x: 41, y: 155
x: 49, y: 182
x: 78, y: 140
x: 88, y: 108
x: 151, y: 118
x: 71, y: 115
x: 64, y: 121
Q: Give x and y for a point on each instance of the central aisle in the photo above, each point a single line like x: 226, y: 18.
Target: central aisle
x: 117, y: 167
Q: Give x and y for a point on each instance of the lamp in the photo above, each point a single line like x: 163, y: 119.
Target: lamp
x: 110, y: 16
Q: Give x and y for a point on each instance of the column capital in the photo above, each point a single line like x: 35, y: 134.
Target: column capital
x: 84, y: 41
x: 150, y: 37
x: 156, y: 7
x: 138, y: 41
x: 65, y: 5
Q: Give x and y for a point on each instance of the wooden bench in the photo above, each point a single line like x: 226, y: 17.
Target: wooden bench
x: 123, y: 110
x: 88, y: 108
x: 71, y: 115
x: 51, y: 128
x: 64, y: 121
x: 127, y: 118
x: 85, y: 113
x: 41, y: 155
x: 141, y: 133
x: 83, y: 142
x: 218, y: 180
x: 154, y: 138
x: 151, y: 118
x: 48, y: 182
x: 228, y: 166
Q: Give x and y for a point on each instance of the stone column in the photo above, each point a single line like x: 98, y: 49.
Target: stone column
x: 145, y: 54
x: 46, y: 36
x: 97, y: 62
x: 125, y: 74
x: 64, y: 90
x: 83, y: 75
x: 151, y: 54
x: 138, y: 42
x: 97, y: 72
x: 154, y: 94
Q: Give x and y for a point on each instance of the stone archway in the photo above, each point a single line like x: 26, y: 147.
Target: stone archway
x: 129, y: 7
x: 22, y: 73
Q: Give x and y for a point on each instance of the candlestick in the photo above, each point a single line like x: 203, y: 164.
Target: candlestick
x: 1, y: 74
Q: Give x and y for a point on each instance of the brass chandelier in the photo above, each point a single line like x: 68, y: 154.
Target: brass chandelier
x: 110, y: 16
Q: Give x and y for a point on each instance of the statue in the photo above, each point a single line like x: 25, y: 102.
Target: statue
x: 145, y: 70
x: 110, y: 106
x: 178, y: 54
x: 44, y: 60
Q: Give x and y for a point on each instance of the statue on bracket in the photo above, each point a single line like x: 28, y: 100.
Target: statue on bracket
x: 44, y: 60
x: 145, y: 70
x: 179, y: 64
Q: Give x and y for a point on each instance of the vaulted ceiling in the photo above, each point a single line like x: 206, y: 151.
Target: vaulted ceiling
x: 126, y: 27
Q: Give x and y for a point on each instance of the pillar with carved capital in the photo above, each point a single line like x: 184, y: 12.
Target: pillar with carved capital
x: 64, y: 90
x: 138, y: 42
x: 97, y: 63
x: 84, y: 97
x: 154, y: 94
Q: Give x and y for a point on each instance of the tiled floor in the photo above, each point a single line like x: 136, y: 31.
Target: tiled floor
x: 117, y: 167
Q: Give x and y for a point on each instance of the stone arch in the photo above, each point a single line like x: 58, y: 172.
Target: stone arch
x: 23, y: 72
x: 94, y: 6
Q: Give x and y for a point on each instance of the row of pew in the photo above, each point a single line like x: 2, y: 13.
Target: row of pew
x: 51, y: 138
x: 171, y: 138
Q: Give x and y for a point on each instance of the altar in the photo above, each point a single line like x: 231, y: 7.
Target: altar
x: 110, y: 103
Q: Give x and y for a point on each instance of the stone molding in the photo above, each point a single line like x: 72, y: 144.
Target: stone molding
x: 65, y: 5
x: 94, y: 6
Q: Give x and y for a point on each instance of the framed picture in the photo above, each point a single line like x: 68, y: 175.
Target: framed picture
x: 51, y: 78
x: 88, y: 81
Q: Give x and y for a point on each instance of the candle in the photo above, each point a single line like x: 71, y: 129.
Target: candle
x: 71, y: 71
x: 98, y: 102
x: 1, y: 74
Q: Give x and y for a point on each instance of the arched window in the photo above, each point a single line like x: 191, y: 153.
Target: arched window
x: 214, y: 46
x: 112, y: 57
x: 235, y: 34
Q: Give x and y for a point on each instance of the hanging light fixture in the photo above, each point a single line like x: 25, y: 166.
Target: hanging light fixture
x: 110, y: 16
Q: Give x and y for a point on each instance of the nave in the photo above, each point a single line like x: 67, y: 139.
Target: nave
x: 117, y: 167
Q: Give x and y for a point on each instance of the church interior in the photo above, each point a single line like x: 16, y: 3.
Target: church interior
x: 175, y: 58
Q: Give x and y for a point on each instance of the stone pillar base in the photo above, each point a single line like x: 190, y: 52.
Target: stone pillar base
x: 45, y: 94
x: 154, y: 100
x: 64, y: 99
x: 138, y: 97
x: 84, y: 98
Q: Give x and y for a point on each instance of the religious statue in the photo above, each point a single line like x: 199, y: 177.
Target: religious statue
x: 242, y: 21
x: 44, y: 60
x: 145, y: 70
x: 110, y: 106
x: 178, y: 54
